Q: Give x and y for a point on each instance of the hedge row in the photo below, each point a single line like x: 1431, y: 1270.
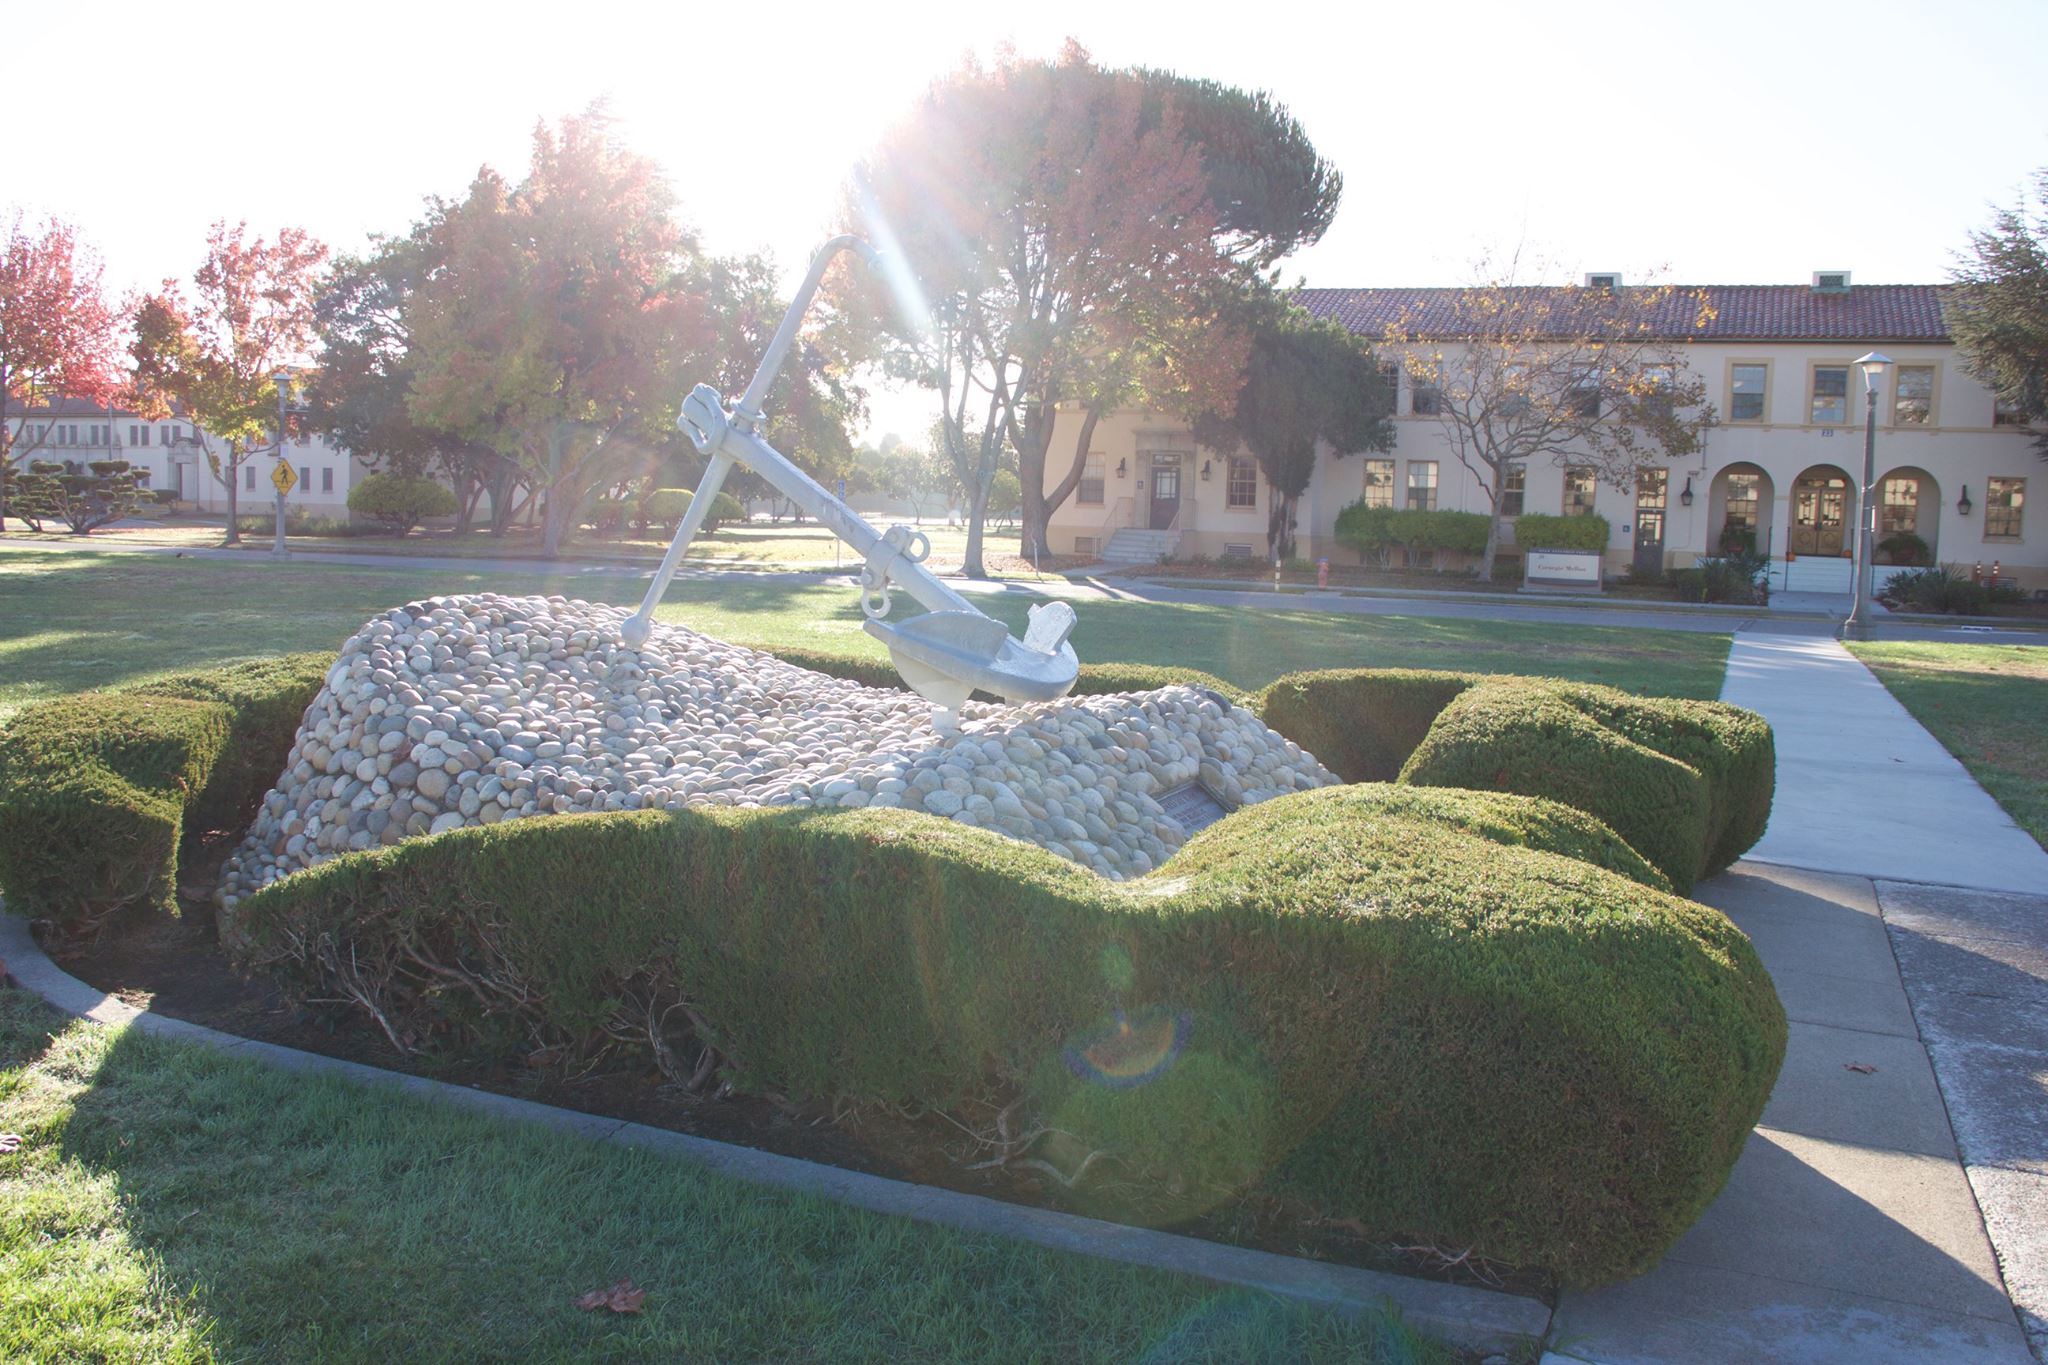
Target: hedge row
x: 97, y: 790
x: 1435, y: 1012
x: 1687, y: 783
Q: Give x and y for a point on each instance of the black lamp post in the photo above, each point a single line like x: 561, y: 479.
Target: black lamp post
x: 1874, y: 366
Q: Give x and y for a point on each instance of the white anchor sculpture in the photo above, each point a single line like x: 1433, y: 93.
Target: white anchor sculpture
x: 944, y: 655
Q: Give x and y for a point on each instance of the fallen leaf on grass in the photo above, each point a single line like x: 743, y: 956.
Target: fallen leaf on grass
x: 10, y: 1142
x: 623, y: 1297
x: 1864, y: 1068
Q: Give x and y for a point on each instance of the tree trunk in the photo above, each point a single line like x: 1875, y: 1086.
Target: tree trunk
x: 555, y: 518
x: 977, y: 512
x: 234, y: 502
x: 1280, y: 525
x: 1039, y: 505
x: 1492, y: 544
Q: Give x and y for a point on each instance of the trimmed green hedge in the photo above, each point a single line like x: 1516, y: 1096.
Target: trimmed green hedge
x: 96, y: 790
x: 1536, y: 742
x: 1546, y: 531
x: 1429, y: 1011
x: 1361, y: 722
x: 1687, y: 783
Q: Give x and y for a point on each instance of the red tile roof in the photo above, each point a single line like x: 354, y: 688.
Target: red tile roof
x: 1741, y: 312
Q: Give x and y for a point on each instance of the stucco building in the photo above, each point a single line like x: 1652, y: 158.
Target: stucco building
x: 1782, y: 466
x: 172, y: 455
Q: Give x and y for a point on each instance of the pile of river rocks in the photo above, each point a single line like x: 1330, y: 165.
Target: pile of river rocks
x: 470, y: 710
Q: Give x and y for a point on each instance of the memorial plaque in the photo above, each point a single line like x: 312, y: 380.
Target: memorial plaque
x: 1191, y: 806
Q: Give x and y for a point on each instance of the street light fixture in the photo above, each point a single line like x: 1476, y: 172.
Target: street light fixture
x: 1874, y: 366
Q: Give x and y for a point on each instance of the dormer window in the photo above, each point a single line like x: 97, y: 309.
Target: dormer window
x: 1830, y: 281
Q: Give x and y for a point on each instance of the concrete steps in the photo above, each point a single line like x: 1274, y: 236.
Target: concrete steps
x: 1135, y: 546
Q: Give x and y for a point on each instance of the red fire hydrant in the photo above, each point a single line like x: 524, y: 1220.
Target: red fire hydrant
x: 1322, y: 573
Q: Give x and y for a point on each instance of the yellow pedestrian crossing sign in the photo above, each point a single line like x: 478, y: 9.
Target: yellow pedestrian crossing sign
x: 283, y: 477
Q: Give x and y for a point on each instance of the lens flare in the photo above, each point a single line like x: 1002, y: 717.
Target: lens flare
x: 895, y: 267
x: 1129, y: 1052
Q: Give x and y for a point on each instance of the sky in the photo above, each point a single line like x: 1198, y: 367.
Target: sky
x: 1734, y: 143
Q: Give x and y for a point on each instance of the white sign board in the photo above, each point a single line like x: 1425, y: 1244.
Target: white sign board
x: 1563, y: 568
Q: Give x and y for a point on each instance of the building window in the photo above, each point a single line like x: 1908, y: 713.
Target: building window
x: 249, y: 478
x: 327, y: 480
x: 1379, y: 483
x: 1913, y: 397
x: 1422, y: 484
x: 1659, y: 386
x: 1425, y: 399
x: 171, y: 433
x: 306, y: 478
x: 1898, y: 508
x: 1579, y: 486
x: 1743, y: 490
x: 1747, y: 386
x: 1242, y: 486
x: 2006, y: 414
x: 1088, y: 493
x: 1514, y: 390
x: 1514, y: 482
x: 1390, y: 375
x: 2003, y: 499
x: 1830, y: 405
x: 1584, y: 398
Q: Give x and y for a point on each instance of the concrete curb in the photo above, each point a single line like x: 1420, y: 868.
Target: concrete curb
x: 1468, y: 1317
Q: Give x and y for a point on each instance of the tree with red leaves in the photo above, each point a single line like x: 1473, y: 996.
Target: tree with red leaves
x: 215, y: 358
x: 58, y: 334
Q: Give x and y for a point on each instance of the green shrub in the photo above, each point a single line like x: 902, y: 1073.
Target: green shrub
x: 1397, y: 1006
x: 1542, y: 531
x: 1741, y: 578
x: 84, y: 498
x: 1533, y: 740
x: 1687, y: 783
x: 1361, y: 722
x: 163, y: 497
x: 1903, y: 547
x: 1942, y: 590
x: 1372, y: 531
x: 97, y: 791
x: 299, y: 522
x: 400, y: 503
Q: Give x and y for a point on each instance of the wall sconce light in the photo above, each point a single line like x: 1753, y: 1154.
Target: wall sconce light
x: 1963, y: 503
x: 1685, y: 497
x: 1205, y: 471
x: 1123, y: 467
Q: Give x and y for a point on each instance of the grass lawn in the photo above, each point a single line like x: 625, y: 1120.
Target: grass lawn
x: 1987, y: 704
x: 71, y: 621
x: 173, y: 1203
x: 755, y: 543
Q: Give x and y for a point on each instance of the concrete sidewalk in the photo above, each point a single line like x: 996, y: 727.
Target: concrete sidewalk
x: 1848, y: 1232
x: 1862, y: 786
x: 1892, y: 1205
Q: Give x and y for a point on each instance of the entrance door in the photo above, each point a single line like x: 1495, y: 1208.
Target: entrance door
x: 1650, y: 491
x: 1820, y: 505
x: 1165, y: 491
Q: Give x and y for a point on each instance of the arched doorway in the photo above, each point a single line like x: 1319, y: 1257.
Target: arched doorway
x: 1823, y: 513
x: 1908, y: 508
x: 1739, y: 510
